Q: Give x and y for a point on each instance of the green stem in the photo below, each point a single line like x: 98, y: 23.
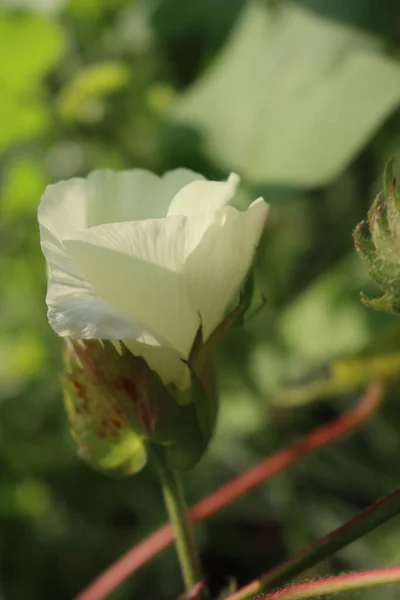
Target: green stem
x: 376, y: 514
x: 179, y: 518
x: 336, y: 584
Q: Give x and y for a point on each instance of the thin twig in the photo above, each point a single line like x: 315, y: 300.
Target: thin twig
x: 336, y: 584
x: 370, y: 518
x: 150, y: 547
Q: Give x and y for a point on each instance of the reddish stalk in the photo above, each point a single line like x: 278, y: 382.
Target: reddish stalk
x: 336, y: 584
x: 374, y: 515
x: 143, y: 552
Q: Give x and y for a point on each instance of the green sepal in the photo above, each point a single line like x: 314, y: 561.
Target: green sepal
x: 98, y: 425
x: 245, y: 299
x: 362, y: 241
x: 379, y: 243
x: 201, y: 351
x: 383, y: 303
x: 117, y: 406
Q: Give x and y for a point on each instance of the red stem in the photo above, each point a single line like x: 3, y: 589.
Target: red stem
x: 143, y: 552
x: 335, y: 584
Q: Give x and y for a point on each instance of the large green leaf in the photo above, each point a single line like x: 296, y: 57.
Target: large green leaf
x: 19, y: 34
x: 29, y: 46
x: 292, y: 97
x: 81, y: 97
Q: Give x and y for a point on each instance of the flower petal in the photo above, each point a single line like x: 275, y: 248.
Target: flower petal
x: 114, y: 196
x: 173, y: 181
x: 74, y: 309
x: 200, y: 197
x: 118, y: 196
x: 166, y: 362
x: 217, y: 265
x: 135, y: 267
x: 62, y: 208
x: 108, y: 196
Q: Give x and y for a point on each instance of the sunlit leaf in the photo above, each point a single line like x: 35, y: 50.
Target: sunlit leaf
x: 19, y: 34
x: 20, y: 358
x: 292, y: 98
x: 24, y: 182
x: 78, y: 99
x: 29, y: 46
x: 20, y: 119
x: 40, y: 6
x: 29, y: 498
x: 326, y: 320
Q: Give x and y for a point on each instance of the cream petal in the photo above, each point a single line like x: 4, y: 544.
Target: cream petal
x: 108, y: 196
x: 89, y: 317
x: 200, y: 197
x: 218, y: 264
x: 136, y: 268
x: 117, y: 196
x: 135, y: 195
x: 62, y: 208
x: 173, y: 181
x: 74, y: 309
x: 166, y: 362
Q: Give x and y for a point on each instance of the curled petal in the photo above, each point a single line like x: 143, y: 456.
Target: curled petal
x: 216, y: 267
x: 136, y: 268
x: 200, y: 197
x: 62, y: 209
x: 166, y: 362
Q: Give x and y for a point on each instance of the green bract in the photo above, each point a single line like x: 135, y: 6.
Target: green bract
x: 377, y: 240
x: 118, y: 407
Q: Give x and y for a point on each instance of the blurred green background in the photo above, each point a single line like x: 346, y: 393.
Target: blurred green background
x: 303, y: 101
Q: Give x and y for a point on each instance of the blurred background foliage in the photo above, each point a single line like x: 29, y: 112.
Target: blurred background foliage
x: 303, y: 101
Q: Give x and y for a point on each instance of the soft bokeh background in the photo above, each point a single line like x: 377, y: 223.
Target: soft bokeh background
x: 302, y: 100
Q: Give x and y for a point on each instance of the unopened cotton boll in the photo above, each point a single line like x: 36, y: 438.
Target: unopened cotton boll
x: 152, y: 262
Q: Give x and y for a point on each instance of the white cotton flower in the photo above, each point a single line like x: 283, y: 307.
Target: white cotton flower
x: 145, y: 259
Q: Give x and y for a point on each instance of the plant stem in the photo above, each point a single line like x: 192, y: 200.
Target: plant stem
x: 184, y: 538
x: 143, y: 552
x: 336, y: 584
x: 376, y: 514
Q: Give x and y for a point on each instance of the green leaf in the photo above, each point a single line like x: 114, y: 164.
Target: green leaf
x: 19, y: 34
x: 25, y: 181
x: 80, y: 96
x: 21, y: 107
x: 327, y: 320
x: 292, y: 97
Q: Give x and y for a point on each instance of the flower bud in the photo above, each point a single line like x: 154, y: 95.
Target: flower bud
x: 154, y: 262
x: 377, y: 241
x: 117, y: 407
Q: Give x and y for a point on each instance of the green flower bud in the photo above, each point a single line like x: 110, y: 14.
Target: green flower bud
x: 118, y: 407
x: 154, y: 262
x: 377, y: 240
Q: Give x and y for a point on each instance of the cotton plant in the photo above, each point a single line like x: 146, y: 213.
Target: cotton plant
x: 146, y: 275
x: 142, y: 274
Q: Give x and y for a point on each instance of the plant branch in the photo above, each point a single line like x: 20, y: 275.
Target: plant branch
x: 334, y: 585
x: 150, y: 547
x: 289, y: 455
x: 373, y: 516
x: 178, y: 515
